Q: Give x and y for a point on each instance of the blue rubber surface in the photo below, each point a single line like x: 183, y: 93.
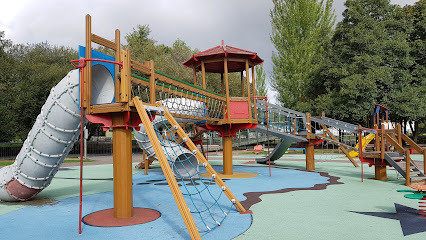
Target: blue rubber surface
x: 60, y: 220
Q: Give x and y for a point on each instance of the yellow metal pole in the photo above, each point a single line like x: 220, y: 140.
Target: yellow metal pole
x: 227, y: 155
x: 122, y: 164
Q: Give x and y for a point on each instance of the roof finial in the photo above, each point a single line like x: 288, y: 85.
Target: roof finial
x: 222, y: 43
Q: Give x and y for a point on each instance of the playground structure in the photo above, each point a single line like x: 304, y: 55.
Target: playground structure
x: 293, y: 126
x: 111, y: 94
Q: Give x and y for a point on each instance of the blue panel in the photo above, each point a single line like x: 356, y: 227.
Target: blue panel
x: 99, y: 55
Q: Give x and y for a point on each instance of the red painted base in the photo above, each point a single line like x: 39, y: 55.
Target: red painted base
x: 105, y: 218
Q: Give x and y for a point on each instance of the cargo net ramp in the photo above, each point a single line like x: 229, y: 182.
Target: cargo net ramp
x: 207, y: 201
x: 181, y: 98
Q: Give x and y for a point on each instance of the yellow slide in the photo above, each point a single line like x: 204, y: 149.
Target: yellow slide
x: 366, y: 140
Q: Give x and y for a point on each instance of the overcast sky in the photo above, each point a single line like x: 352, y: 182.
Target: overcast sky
x: 201, y: 24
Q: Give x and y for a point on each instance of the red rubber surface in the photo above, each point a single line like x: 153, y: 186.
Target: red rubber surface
x: 105, y: 218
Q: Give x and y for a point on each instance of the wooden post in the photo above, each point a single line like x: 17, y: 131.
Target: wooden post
x: 117, y: 67
x: 146, y: 162
x: 242, y: 84
x: 248, y: 88
x: 380, y: 170
x: 152, y: 97
x: 88, y: 69
x: 203, y: 74
x: 377, y: 139
x: 122, y: 168
x: 399, y: 133
x: 227, y: 155
x: 424, y: 160
x: 382, y: 141
x: 310, y: 156
x: 222, y: 82
x: 407, y: 168
x: 308, y: 126
x: 195, y: 76
x: 254, y: 92
x: 228, y: 99
x: 125, y: 88
x: 294, y: 126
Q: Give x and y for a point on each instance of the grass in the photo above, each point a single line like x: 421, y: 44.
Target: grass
x: 68, y: 160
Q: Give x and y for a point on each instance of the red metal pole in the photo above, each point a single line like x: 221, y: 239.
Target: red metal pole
x: 81, y: 149
x: 360, y: 153
x: 267, y: 134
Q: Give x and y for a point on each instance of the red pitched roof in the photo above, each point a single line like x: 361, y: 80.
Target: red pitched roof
x: 219, y: 52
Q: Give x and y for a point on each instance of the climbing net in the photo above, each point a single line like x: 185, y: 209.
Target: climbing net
x: 178, y: 99
x: 206, y: 200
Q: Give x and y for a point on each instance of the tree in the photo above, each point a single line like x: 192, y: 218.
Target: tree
x: 299, y: 29
x: 30, y: 73
x: 261, y: 89
x: 368, y: 62
x: 416, y: 14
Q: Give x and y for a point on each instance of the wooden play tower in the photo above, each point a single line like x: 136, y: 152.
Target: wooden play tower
x: 238, y: 112
x: 128, y: 110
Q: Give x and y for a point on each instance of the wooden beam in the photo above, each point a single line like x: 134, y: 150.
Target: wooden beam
x: 104, y: 42
x: 253, y: 79
x: 340, y: 146
x: 125, y: 88
x: 395, y: 143
x: 171, y: 180
x: 242, y: 84
x: 413, y: 144
x: 140, y: 67
x: 152, y: 96
x: 308, y: 126
x: 109, y: 108
x: 228, y: 105
x: 117, y: 67
x: 194, y: 74
x: 248, y: 88
x: 88, y: 69
x: 203, y: 74
x: 382, y: 141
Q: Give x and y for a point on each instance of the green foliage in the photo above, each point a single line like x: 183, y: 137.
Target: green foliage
x: 261, y: 88
x: 368, y: 62
x: 299, y: 29
x: 27, y: 74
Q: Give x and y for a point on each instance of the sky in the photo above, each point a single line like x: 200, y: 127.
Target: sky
x: 202, y: 24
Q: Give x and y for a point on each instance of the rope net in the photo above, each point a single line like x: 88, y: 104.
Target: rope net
x: 206, y: 200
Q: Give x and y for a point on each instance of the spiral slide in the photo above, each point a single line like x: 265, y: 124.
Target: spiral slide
x: 57, y: 129
x: 365, y: 141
